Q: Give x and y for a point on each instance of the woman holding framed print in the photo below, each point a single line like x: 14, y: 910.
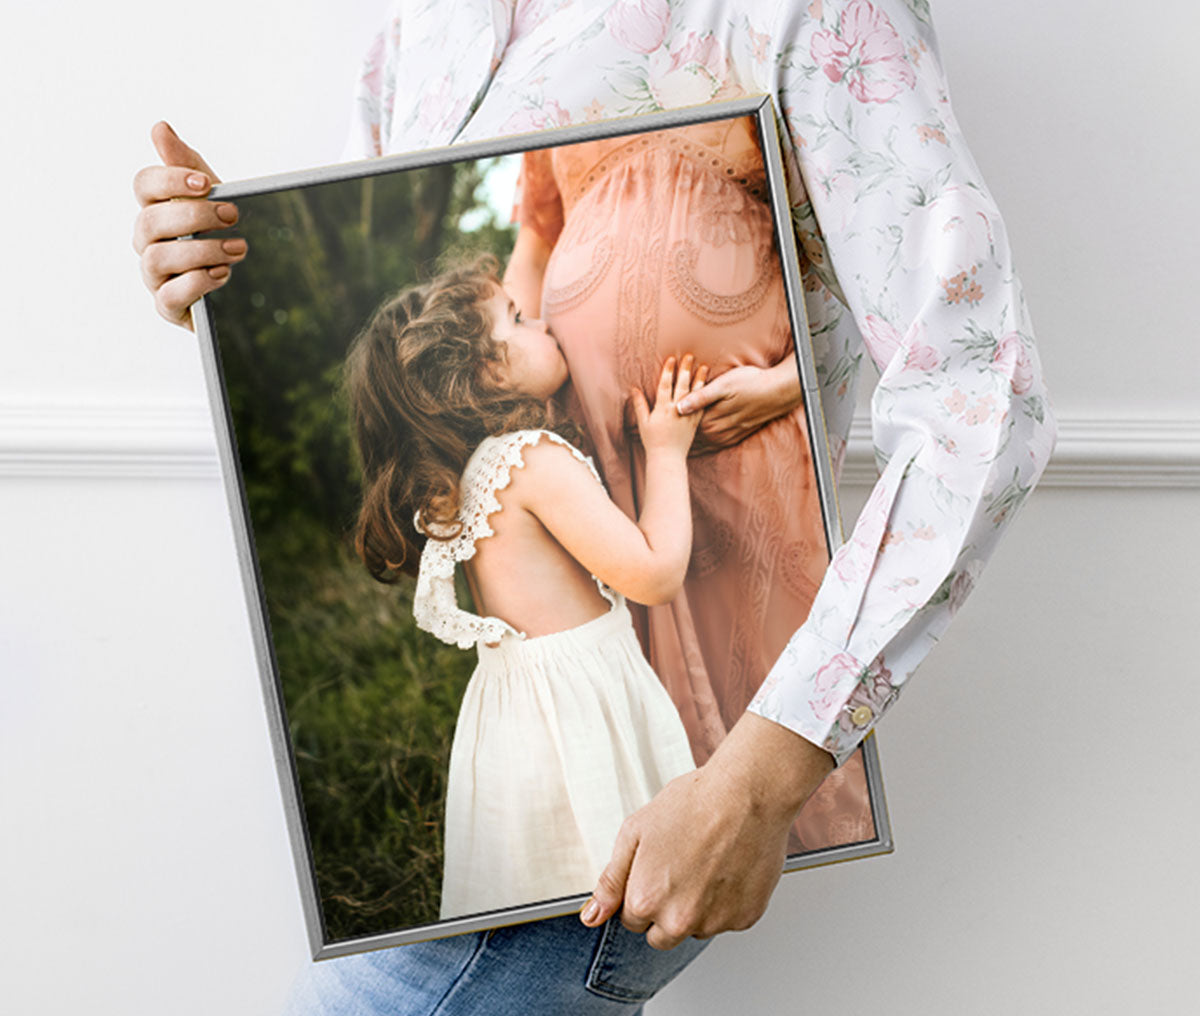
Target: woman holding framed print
x: 905, y: 261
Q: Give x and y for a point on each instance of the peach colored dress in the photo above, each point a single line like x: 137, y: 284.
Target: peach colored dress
x: 663, y: 244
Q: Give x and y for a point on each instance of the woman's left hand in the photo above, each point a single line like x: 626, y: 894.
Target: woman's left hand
x: 740, y: 401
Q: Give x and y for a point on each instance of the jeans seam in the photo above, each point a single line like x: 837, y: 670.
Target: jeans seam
x: 598, y: 986
x: 467, y: 968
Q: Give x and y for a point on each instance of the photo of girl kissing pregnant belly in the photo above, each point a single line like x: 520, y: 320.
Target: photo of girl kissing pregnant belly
x: 564, y: 730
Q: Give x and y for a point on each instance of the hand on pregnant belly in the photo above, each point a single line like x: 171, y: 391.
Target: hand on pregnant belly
x: 740, y: 401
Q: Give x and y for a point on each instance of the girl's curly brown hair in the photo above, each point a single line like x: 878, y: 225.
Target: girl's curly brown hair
x: 424, y: 392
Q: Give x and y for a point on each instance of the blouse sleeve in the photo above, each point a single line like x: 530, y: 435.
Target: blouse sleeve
x: 914, y: 265
x: 375, y: 93
x: 537, y: 203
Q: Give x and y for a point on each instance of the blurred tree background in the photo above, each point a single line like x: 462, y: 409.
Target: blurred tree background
x: 371, y: 701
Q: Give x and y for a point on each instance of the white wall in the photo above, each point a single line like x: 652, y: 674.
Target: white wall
x: 1040, y: 771
x: 257, y: 87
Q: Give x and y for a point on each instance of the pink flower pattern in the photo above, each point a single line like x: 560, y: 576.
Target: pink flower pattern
x: 704, y: 50
x: 544, y: 117
x: 442, y: 105
x: 372, y: 77
x: 526, y: 15
x: 639, y: 25
x: 866, y: 52
x: 829, y: 682
x: 692, y: 70
x: 1012, y: 360
x: 927, y: 278
x: 920, y: 357
x: 875, y: 688
x: 882, y: 339
x: 962, y: 584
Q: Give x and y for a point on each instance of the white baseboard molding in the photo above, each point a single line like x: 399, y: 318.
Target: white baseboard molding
x: 176, y: 441
x: 111, y: 440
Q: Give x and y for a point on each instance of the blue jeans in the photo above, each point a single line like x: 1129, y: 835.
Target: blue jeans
x: 555, y: 967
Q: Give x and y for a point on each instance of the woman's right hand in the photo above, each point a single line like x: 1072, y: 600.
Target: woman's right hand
x: 178, y: 272
x: 664, y: 427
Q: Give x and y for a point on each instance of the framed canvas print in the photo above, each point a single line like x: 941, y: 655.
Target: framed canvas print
x: 501, y: 589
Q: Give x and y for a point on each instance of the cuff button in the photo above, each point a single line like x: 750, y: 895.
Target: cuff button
x: 860, y: 716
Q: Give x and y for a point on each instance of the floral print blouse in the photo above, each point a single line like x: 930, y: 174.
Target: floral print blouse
x: 904, y: 257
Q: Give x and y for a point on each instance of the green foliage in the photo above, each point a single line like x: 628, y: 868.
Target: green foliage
x: 321, y: 259
x: 371, y: 701
x: 371, y: 707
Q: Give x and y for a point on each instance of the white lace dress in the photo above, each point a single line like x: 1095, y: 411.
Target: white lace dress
x: 559, y: 736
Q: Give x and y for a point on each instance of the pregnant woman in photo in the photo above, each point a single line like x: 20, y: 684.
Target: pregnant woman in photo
x: 636, y: 249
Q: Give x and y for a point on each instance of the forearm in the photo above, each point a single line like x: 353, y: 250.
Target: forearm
x: 525, y: 271
x: 781, y: 393
x: 784, y: 390
x: 666, y: 523
x: 774, y: 768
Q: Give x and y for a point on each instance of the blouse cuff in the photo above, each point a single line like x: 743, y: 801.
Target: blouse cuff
x: 825, y: 694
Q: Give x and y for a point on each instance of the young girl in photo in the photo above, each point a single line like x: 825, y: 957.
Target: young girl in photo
x: 564, y: 729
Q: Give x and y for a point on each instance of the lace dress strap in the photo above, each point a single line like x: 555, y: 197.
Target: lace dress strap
x: 489, y: 470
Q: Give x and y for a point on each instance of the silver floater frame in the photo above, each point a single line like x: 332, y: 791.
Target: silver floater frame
x: 761, y: 107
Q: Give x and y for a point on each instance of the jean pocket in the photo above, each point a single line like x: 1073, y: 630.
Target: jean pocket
x: 626, y: 969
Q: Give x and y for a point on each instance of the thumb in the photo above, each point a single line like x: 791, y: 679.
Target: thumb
x: 174, y: 152
x: 701, y: 398
x: 609, y: 893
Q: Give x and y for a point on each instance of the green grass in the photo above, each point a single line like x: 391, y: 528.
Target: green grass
x: 371, y: 705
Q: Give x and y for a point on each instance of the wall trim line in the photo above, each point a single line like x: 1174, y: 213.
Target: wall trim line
x: 175, y: 440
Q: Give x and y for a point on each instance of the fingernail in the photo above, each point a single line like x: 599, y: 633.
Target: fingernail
x: 227, y: 213
x: 196, y: 181
x: 235, y: 246
x: 219, y: 272
x: 590, y: 912
x: 683, y: 407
